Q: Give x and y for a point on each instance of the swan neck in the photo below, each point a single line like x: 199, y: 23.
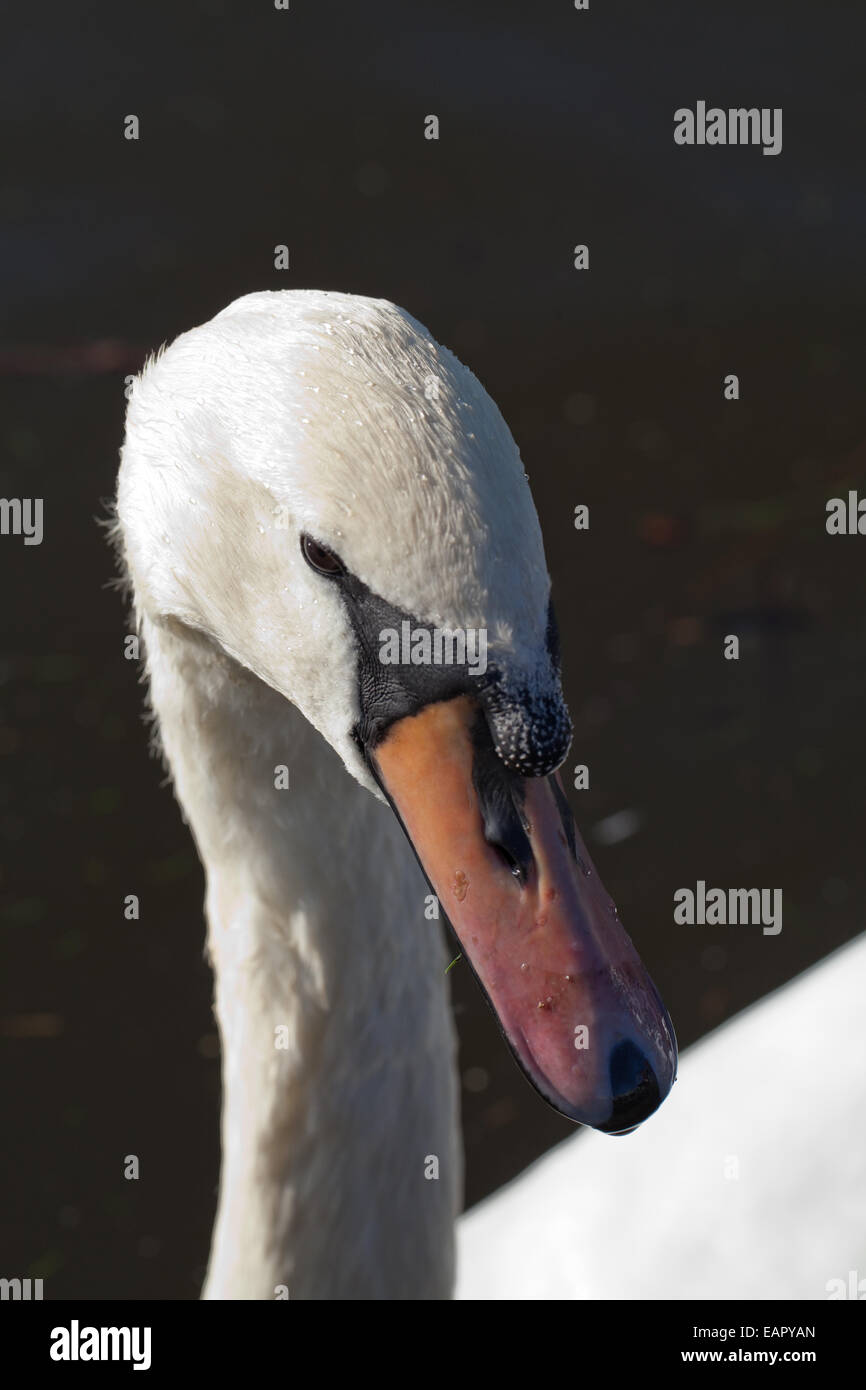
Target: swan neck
x: 340, y: 1162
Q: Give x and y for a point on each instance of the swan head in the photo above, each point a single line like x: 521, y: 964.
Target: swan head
x: 333, y: 498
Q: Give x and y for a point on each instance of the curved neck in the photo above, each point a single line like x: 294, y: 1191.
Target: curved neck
x: 337, y: 1041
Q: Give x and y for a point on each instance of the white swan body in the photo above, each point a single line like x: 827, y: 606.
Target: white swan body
x: 751, y: 1185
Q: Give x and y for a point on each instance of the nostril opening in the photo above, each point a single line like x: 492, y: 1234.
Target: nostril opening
x: 512, y: 865
x: 500, y: 803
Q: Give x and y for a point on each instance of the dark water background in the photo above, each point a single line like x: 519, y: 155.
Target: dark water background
x: 707, y: 517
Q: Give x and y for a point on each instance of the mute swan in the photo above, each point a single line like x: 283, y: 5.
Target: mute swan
x: 299, y: 475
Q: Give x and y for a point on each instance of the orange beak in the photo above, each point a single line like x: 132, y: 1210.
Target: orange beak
x: 576, y: 1005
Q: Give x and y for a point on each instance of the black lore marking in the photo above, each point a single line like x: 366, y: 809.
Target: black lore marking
x: 525, y: 712
x: 387, y: 693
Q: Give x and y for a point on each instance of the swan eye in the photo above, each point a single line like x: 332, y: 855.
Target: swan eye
x: 319, y: 558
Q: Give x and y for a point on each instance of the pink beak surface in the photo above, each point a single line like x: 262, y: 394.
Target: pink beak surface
x: 577, y: 1006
